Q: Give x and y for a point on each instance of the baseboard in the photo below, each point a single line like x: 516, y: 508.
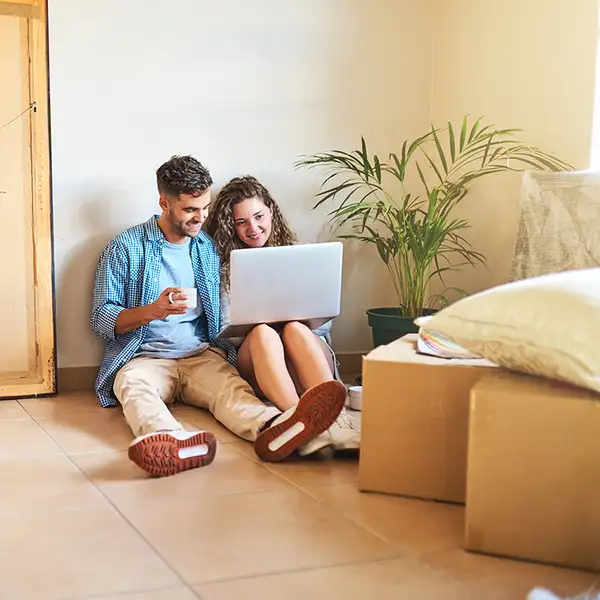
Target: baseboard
x: 350, y: 362
x: 75, y: 379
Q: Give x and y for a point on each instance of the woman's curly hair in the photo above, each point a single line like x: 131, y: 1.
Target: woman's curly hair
x: 219, y: 223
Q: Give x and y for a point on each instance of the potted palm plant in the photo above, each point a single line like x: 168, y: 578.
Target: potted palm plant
x: 417, y: 235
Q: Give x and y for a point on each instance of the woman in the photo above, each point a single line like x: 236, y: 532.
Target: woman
x: 279, y: 366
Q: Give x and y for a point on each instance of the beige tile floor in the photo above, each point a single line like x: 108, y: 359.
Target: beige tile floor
x: 78, y: 520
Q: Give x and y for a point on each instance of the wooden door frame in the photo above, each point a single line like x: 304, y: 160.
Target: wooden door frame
x: 30, y: 9
x: 43, y: 381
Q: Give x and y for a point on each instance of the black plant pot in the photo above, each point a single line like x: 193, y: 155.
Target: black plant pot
x: 387, y: 324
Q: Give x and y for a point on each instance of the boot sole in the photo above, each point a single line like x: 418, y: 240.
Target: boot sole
x: 317, y: 410
x: 159, y: 454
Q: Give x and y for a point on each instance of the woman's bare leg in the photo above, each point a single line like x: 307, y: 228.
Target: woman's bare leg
x: 311, y: 362
x: 305, y: 421
x: 261, y: 362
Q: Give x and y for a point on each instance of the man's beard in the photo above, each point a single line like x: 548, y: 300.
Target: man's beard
x: 180, y: 227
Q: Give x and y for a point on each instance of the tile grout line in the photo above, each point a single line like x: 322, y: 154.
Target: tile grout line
x: 146, y: 541
x: 293, y: 485
x: 32, y: 418
x: 130, y: 593
x: 357, y: 523
x: 112, y: 504
x: 191, y: 586
x: 339, y: 565
x: 196, y: 593
x: 328, y: 508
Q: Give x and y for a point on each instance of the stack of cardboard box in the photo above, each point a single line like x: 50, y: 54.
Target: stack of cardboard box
x: 522, y: 453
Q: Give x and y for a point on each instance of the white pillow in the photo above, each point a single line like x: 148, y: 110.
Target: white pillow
x: 547, y: 326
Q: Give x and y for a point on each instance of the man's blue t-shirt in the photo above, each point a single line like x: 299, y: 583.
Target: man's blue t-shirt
x: 177, y: 336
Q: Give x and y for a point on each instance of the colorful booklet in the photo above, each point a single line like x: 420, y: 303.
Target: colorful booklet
x: 434, y: 343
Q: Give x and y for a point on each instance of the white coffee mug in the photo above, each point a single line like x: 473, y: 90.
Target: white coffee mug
x: 191, y: 298
x: 355, y: 397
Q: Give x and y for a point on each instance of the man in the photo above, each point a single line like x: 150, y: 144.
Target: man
x: 159, y: 351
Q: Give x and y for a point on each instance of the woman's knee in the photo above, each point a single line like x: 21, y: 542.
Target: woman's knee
x: 262, y: 335
x: 294, y: 331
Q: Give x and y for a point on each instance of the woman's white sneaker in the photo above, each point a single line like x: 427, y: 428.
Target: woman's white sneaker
x: 323, y: 440
x: 345, y: 434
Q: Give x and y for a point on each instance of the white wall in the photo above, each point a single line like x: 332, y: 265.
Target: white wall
x: 247, y: 87
x: 244, y: 86
x: 527, y: 64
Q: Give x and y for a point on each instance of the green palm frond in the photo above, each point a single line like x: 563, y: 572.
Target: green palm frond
x: 416, y: 236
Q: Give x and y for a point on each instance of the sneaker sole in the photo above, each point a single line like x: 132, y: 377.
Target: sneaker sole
x: 317, y: 410
x: 346, y: 448
x: 159, y: 454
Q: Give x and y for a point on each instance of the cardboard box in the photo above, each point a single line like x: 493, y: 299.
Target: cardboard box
x: 415, y: 418
x: 533, y: 488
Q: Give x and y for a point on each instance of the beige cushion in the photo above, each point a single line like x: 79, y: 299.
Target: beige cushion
x: 547, y: 326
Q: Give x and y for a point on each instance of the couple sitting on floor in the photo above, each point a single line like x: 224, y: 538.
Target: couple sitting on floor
x: 280, y: 390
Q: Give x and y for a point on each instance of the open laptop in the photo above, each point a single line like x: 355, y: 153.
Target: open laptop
x: 276, y: 285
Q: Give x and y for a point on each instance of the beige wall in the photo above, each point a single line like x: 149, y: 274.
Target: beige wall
x: 246, y: 87
x: 528, y: 64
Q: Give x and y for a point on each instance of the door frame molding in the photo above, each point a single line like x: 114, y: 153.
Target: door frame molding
x: 30, y: 9
x: 42, y: 382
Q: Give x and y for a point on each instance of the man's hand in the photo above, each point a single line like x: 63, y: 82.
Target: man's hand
x: 134, y: 318
x: 163, y: 307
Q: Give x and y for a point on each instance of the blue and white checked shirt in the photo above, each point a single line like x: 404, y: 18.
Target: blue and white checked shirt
x: 127, y: 276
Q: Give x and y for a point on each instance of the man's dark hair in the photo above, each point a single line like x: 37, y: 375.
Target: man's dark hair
x: 183, y: 175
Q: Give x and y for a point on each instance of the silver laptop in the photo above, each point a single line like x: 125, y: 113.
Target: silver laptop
x: 275, y: 285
